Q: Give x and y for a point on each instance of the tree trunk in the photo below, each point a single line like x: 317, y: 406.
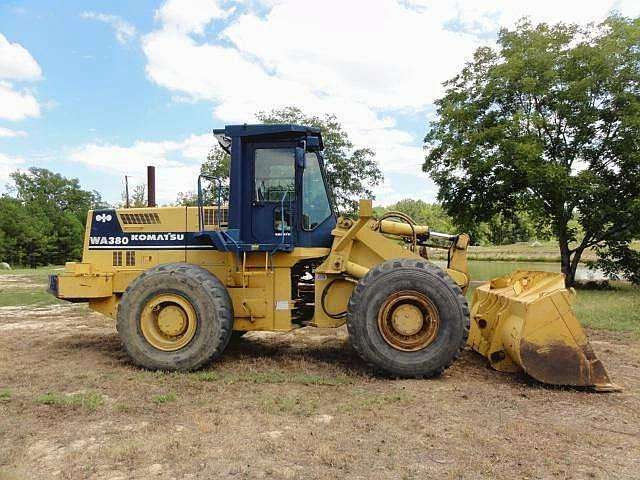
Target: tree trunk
x: 569, y: 261
x: 566, y: 265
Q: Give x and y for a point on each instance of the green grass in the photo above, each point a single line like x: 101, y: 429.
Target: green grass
x: 164, y: 398
x: 617, y: 309
x: 37, y: 296
x: 272, y: 377
x: 40, y: 272
x: 88, y: 401
x: 289, y: 405
x: 33, y: 293
x: 5, y: 395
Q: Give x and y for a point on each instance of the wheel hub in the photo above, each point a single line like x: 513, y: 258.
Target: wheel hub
x: 172, y: 320
x: 168, y: 322
x: 408, y: 321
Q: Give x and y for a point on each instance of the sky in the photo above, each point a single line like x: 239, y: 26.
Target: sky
x: 97, y: 90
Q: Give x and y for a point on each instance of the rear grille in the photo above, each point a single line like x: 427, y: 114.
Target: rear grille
x: 140, y: 218
x: 131, y: 258
x: 211, y: 216
x: 117, y: 258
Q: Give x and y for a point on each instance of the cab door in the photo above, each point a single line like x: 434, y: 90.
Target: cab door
x: 273, y: 199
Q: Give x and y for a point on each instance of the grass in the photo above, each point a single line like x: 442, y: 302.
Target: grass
x: 87, y: 400
x: 5, y: 395
x: 272, y: 377
x: 37, y: 296
x: 617, y: 309
x: 373, y: 401
x: 31, y: 291
x: 39, y: 272
x: 164, y: 398
x: 289, y: 405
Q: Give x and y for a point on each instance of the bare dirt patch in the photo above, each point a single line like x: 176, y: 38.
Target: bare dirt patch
x: 297, y: 406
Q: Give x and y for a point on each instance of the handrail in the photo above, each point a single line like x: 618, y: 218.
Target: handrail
x: 218, y: 183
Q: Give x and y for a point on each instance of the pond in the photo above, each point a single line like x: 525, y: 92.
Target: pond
x: 486, y: 270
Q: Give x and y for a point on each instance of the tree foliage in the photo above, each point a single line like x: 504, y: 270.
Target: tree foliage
x: 42, y: 220
x: 422, y: 213
x: 549, y: 124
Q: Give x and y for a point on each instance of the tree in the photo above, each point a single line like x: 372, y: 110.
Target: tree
x: 353, y: 172
x: 547, y: 123
x: 422, y: 213
x: 137, y: 196
x: 44, y: 222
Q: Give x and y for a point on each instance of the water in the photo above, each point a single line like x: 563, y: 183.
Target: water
x: 486, y: 270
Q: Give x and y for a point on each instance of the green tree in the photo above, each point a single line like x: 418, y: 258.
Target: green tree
x: 422, y: 213
x: 44, y: 222
x: 353, y: 172
x: 549, y: 124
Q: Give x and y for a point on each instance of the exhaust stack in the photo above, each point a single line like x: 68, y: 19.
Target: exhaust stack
x: 151, y: 186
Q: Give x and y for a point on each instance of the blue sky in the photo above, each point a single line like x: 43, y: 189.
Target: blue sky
x: 96, y: 90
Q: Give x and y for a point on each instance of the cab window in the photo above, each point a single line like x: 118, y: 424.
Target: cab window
x: 315, y: 203
x: 274, y: 174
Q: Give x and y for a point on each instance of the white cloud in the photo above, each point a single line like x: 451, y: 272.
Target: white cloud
x: 191, y: 16
x: 365, y: 61
x: 8, y: 133
x: 8, y: 165
x: 178, y: 162
x: 124, y: 31
x: 361, y: 60
x: 16, y: 63
x: 17, y: 105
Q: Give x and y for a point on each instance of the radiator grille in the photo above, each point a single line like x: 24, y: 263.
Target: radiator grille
x: 117, y: 258
x: 130, y: 258
x: 140, y: 218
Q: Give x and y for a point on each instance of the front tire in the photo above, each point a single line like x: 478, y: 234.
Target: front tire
x: 175, y: 317
x: 408, y: 318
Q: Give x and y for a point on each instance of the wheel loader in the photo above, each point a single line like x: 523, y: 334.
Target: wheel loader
x: 270, y: 253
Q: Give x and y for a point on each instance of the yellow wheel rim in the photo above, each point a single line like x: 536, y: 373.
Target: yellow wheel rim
x: 408, y: 321
x: 168, y: 322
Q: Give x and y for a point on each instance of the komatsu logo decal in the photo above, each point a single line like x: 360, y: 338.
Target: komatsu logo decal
x: 107, y: 234
x: 133, y: 241
x: 157, y: 236
x: 103, y: 217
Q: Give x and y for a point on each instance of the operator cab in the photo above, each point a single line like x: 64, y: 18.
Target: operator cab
x: 279, y: 197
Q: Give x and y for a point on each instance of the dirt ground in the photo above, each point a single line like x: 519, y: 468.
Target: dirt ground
x: 295, y: 406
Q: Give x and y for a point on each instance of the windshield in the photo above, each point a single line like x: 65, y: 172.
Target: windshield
x: 315, y: 203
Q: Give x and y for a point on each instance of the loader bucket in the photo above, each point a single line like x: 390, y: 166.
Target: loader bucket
x: 524, y: 321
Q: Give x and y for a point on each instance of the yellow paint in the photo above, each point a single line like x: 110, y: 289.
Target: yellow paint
x: 259, y: 284
x: 524, y: 321
x: 168, y: 322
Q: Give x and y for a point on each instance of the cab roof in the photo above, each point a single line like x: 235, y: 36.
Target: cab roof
x: 266, y: 129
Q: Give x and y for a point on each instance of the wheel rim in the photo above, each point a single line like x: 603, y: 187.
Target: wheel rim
x: 168, y: 322
x: 408, y: 321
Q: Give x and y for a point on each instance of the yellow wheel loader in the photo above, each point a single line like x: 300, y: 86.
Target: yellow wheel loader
x: 270, y: 253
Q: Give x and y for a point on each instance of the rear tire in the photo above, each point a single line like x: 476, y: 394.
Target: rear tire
x: 195, y: 327
x: 408, y: 318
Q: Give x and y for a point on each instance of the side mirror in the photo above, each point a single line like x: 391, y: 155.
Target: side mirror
x: 313, y: 143
x: 300, y: 159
